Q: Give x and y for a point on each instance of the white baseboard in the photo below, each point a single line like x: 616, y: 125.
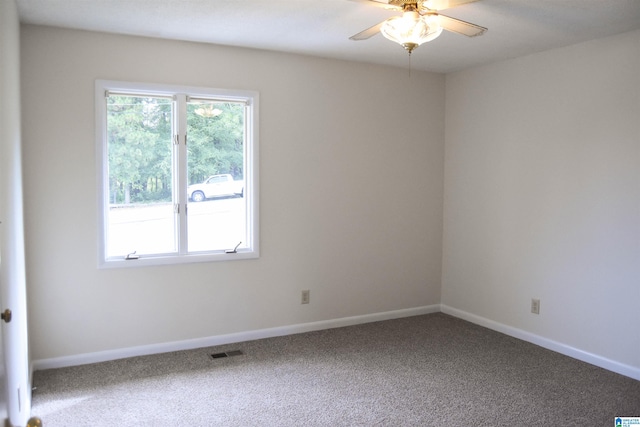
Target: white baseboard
x: 103, y: 356
x: 594, y: 359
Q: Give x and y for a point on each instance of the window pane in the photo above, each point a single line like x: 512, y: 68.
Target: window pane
x: 216, y: 216
x: 140, y: 214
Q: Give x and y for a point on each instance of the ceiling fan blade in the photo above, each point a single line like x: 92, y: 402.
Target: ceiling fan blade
x: 368, y: 33
x: 444, y: 4
x: 461, y: 27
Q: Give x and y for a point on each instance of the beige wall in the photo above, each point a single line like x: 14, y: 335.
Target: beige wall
x: 542, y: 195
x: 351, y: 179
x: 541, y: 180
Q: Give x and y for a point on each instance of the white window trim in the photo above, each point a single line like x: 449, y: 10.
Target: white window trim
x: 251, y: 173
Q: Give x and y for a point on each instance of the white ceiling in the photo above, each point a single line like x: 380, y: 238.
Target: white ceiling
x: 323, y: 27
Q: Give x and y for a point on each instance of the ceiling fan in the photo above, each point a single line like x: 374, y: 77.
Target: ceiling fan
x: 420, y: 22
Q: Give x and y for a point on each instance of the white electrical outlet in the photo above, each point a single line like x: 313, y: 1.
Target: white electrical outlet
x: 305, y: 297
x: 535, y: 306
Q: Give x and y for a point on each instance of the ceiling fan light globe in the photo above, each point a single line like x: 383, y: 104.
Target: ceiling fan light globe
x: 435, y: 29
x: 411, y: 29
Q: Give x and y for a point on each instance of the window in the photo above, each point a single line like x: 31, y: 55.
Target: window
x: 177, y: 174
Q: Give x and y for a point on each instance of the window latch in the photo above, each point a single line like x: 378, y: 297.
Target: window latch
x: 234, y: 250
x: 131, y: 256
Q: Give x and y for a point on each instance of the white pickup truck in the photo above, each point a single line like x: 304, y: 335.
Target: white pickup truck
x: 221, y: 185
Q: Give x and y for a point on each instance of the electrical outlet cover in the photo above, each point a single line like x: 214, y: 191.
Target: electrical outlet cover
x: 535, y: 306
x: 305, y: 297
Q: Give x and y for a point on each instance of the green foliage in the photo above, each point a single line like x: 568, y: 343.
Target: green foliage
x: 215, y: 139
x: 139, y: 145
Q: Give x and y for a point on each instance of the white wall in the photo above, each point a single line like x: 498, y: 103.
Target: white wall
x: 542, y: 195
x: 351, y: 179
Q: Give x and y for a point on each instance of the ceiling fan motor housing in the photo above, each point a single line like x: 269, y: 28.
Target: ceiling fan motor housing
x: 410, y: 5
x: 402, y: 3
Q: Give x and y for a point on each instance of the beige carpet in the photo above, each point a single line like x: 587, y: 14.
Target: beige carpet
x: 431, y: 370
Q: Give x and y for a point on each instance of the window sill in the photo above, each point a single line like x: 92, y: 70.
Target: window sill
x: 157, y: 260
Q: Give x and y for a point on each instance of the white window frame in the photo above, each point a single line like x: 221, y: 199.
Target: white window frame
x: 251, y: 251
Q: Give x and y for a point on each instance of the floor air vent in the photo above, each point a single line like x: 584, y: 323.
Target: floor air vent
x: 226, y: 354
